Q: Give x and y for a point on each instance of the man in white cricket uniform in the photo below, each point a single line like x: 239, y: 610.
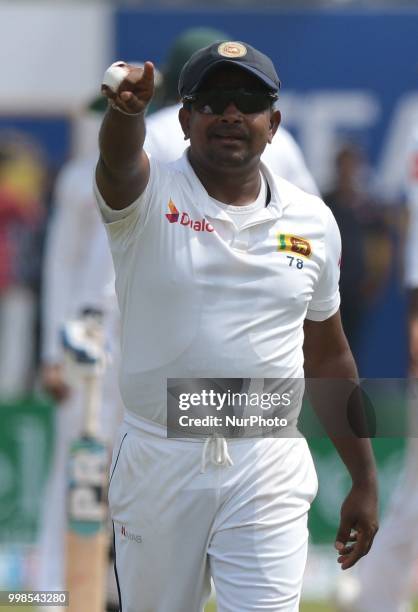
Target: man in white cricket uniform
x: 210, y: 283
x: 78, y: 271
x: 384, y: 579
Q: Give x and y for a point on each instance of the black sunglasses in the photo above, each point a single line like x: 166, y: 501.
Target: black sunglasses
x: 215, y: 101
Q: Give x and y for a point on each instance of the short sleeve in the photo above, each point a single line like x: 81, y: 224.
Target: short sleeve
x: 326, y: 297
x: 122, y: 225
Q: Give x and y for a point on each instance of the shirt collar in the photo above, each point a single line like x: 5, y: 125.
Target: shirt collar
x: 274, y: 210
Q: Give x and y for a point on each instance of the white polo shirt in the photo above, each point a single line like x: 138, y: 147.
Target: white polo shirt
x: 201, y: 298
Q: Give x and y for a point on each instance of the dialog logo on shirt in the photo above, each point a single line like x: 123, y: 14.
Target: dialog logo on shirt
x: 184, y: 219
x: 294, y: 244
x: 173, y: 215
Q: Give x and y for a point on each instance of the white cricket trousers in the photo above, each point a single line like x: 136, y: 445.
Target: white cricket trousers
x: 178, y: 523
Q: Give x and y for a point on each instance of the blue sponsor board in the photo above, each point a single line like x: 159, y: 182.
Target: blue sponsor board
x: 346, y: 74
x: 368, y: 57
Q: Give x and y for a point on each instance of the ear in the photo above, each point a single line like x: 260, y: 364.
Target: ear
x: 275, y: 118
x: 184, y: 118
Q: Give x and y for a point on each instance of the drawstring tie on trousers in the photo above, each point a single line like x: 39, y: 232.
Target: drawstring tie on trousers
x: 217, y: 449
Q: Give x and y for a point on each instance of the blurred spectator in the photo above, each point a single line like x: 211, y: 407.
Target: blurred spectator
x: 77, y: 270
x: 366, y: 240
x: 384, y: 579
x: 21, y: 218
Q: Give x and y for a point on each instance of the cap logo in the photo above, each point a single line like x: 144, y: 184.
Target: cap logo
x: 232, y: 49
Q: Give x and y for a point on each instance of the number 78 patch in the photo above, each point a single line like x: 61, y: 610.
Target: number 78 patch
x: 294, y: 244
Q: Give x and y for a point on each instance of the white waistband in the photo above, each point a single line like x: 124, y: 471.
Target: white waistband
x: 214, y: 449
x: 145, y: 426
x: 157, y: 430
x: 154, y: 429
x: 160, y: 431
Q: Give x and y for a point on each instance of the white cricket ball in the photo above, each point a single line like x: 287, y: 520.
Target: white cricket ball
x: 115, y: 74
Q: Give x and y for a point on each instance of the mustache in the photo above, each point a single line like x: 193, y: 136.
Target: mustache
x: 229, y: 132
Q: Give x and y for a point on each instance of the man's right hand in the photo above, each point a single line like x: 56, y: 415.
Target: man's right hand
x: 135, y: 91
x: 123, y: 169
x: 358, y: 524
x: 54, y: 382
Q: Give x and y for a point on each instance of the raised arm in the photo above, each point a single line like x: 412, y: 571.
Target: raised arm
x: 123, y: 168
x: 328, y: 356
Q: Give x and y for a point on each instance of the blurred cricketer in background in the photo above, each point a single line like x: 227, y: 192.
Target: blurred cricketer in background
x: 78, y: 272
x: 208, y: 300
x: 384, y: 579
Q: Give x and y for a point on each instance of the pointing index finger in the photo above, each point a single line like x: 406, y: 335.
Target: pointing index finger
x: 148, y: 74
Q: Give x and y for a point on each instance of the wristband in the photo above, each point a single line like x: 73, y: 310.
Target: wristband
x: 116, y: 108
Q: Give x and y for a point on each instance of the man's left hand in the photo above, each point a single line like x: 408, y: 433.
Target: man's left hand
x: 358, y: 525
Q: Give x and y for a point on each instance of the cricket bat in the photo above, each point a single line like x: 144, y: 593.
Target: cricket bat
x: 87, y: 541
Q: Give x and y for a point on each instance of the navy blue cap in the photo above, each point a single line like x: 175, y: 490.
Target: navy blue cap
x: 228, y: 52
